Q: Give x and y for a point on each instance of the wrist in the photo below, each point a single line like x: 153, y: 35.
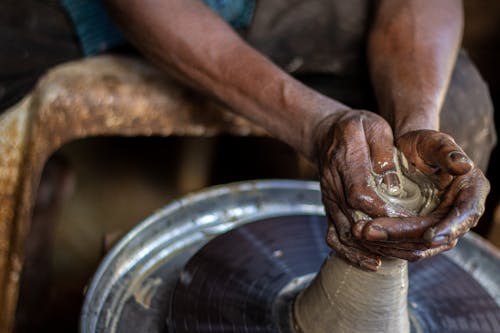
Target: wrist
x: 413, y: 117
x: 405, y: 125
x: 323, y: 132
x: 314, y: 114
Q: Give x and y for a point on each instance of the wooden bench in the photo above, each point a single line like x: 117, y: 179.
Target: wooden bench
x: 105, y: 95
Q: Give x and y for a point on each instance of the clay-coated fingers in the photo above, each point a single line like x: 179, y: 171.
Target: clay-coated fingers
x: 381, y: 143
x: 466, y: 210
x: 395, y: 229
x: 357, y: 257
x: 431, y: 150
x: 357, y: 179
x: 338, y: 220
x: 413, y: 229
x: 410, y: 255
x: 441, y: 150
x: 360, y: 196
x: 413, y: 246
x: 345, y: 248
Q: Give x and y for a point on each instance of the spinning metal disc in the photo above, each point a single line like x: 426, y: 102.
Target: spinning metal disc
x: 234, y: 283
x: 271, y: 242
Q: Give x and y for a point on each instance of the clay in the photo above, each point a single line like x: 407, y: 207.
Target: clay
x: 343, y: 298
x: 416, y: 192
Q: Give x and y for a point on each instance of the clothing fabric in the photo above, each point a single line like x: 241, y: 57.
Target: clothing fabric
x: 97, y: 33
x: 237, y: 13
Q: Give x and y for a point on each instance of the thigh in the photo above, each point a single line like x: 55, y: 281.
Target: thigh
x: 467, y: 113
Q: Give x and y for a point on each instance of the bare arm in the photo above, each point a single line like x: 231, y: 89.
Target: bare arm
x: 412, y: 51
x: 413, y: 47
x: 188, y: 40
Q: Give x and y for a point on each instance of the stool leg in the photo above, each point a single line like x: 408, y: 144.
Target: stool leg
x: 35, y: 282
x: 195, y: 164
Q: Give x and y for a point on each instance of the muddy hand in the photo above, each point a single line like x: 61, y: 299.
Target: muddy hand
x: 464, y: 190
x: 352, y: 147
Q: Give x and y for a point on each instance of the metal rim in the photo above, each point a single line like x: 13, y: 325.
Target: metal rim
x: 265, y: 206
x: 266, y: 198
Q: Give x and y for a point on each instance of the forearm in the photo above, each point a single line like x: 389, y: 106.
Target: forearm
x: 188, y: 40
x: 412, y: 50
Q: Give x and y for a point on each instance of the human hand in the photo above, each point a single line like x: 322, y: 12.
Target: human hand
x: 463, y: 190
x: 355, y: 155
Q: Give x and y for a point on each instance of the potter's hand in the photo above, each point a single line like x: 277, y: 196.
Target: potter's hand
x: 352, y: 146
x: 464, y: 189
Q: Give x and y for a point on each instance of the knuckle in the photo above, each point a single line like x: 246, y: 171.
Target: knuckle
x: 349, y: 117
x: 334, y: 241
x: 444, y: 141
x: 358, y: 198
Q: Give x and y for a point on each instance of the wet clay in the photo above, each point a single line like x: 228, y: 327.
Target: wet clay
x: 416, y: 193
x: 343, y: 298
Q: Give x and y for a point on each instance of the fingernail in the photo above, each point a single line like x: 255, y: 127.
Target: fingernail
x: 391, y: 180
x: 376, y: 233
x: 459, y: 157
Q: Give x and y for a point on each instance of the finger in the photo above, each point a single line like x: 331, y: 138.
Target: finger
x: 357, y: 228
x: 466, y: 211
x: 414, y: 228
x: 410, y: 255
x: 347, y: 248
x: 381, y: 144
x: 440, y: 150
x: 401, y: 245
x: 395, y: 253
x: 397, y: 229
x: 355, y: 256
x: 358, y: 182
x: 338, y: 219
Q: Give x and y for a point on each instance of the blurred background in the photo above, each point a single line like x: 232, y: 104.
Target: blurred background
x: 111, y: 184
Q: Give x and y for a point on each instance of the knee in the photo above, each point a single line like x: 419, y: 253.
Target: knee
x: 467, y: 112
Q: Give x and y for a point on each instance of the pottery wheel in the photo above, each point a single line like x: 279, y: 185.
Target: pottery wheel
x: 236, y: 281
x: 231, y: 259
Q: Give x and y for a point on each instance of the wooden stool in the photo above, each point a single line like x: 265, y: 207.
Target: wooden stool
x: 105, y: 95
